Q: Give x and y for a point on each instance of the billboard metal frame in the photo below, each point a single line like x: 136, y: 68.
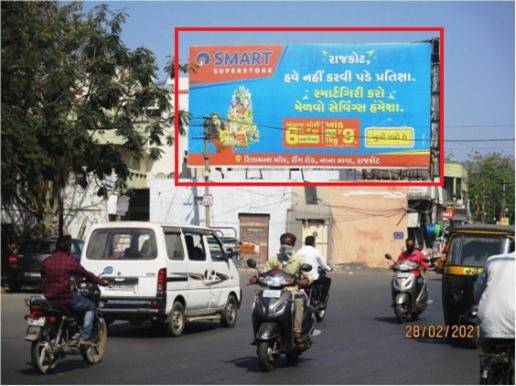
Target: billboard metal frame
x: 438, y: 183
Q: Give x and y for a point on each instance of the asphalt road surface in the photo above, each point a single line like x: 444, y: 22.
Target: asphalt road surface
x: 361, y: 343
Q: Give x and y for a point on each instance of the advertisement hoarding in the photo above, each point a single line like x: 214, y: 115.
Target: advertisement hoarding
x: 349, y: 106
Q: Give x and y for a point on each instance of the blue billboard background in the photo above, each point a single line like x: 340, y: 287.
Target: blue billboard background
x: 327, y: 76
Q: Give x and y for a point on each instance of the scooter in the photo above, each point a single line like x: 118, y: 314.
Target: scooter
x: 406, y: 299
x: 273, y: 318
x: 53, y: 330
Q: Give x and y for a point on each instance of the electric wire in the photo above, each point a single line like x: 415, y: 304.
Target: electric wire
x: 454, y: 140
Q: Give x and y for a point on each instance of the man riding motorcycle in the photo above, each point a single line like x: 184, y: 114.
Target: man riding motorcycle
x: 56, y: 272
x: 416, y: 256
x: 312, y: 256
x: 494, y: 293
x: 292, y: 265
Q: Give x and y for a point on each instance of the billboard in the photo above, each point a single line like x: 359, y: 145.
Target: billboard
x: 324, y: 105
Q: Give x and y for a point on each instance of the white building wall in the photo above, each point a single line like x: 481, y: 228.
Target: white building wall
x: 169, y: 203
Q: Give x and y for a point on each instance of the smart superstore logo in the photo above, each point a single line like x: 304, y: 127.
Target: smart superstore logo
x: 229, y: 63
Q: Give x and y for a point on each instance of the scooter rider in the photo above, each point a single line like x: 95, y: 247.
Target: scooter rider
x: 416, y: 256
x: 313, y: 257
x: 57, y: 271
x: 292, y: 265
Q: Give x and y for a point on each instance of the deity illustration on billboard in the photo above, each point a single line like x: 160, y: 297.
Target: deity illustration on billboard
x: 238, y: 129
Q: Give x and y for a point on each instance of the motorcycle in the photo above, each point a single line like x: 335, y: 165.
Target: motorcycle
x: 273, y: 318
x: 497, y: 368
x: 319, y: 303
x: 497, y: 365
x: 53, y: 329
x: 407, y: 300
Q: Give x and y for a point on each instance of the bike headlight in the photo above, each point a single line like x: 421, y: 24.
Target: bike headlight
x: 275, y: 281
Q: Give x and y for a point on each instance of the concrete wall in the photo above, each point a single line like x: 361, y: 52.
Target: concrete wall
x: 169, y: 203
x: 364, y: 222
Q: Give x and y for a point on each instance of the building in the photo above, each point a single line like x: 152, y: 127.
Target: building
x: 456, y: 198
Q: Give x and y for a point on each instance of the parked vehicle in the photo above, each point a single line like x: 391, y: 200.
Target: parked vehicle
x: 407, y: 299
x: 467, y: 250
x: 24, y: 268
x: 273, y: 318
x: 168, y: 274
x: 53, y: 330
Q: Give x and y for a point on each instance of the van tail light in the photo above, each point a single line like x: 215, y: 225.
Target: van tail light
x: 162, y: 280
x: 35, y: 312
x: 12, y: 260
x: 446, y: 249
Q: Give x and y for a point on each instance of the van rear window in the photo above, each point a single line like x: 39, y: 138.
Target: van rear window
x: 122, y: 244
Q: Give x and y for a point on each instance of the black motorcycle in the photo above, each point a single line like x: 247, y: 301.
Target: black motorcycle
x: 496, y: 365
x: 497, y: 368
x: 53, y: 329
x: 273, y: 318
x: 317, y: 299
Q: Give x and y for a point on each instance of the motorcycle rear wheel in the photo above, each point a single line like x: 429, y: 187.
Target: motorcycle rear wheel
x: 42, y: 357
x: 266, y: 358
x: 94, y: 353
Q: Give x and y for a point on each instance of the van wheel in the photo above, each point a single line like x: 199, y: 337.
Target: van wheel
x: 229, y: 315
x: 176, y: 320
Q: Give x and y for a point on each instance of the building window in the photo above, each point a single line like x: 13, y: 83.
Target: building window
x: 311, y: 194
x: 458, y: 188
x: 135, y: 163
x: 448, y: 187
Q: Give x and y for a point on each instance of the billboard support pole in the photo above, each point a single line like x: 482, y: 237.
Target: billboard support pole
x: 207, y: 204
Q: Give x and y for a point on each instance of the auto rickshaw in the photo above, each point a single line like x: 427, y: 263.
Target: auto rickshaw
x: 467, y: 250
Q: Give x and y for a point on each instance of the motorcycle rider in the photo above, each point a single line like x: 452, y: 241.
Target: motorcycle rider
x: 291, y: 264
x: 312, y: 256
x: 56, y: 273
x: 494, y: 293
x: 414, y: 255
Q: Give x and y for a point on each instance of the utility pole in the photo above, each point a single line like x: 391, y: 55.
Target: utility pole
x: 502, y: 209
x: 483, y: 203
x: 207, y: 204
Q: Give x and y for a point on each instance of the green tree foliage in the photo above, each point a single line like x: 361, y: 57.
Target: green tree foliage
x: 486, y: 177
x: 66, y: 78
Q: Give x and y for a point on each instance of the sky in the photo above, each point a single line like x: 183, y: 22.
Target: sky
x: 479, y: 46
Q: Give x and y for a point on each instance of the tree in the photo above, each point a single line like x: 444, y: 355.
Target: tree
x: 67, y: 79
x: 487, y: 176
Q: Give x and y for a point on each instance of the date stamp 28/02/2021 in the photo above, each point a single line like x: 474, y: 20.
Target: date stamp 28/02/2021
x: 441, y: 331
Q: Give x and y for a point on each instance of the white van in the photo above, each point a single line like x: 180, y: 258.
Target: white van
x: 169, y: 274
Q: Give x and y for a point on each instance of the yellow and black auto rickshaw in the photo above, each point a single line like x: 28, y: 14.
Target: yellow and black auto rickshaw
x: 467, y: 250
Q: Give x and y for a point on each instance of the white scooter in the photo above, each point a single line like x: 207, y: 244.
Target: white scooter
x: 406, y: 299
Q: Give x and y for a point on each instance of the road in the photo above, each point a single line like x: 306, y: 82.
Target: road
x: 361, y: 343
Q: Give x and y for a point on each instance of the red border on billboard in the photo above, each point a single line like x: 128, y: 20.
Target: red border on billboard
x: 440, y: 183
